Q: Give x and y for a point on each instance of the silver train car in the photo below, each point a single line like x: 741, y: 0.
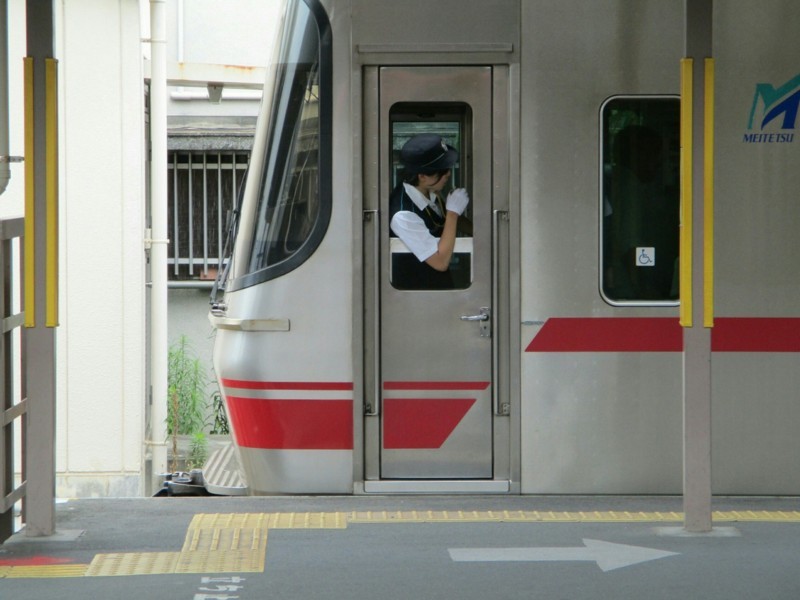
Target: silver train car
x: 554, y: 363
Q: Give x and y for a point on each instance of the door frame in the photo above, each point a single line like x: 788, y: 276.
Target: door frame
x: 505, y: 347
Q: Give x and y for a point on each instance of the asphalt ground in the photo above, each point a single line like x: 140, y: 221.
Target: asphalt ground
x: 465, y: 547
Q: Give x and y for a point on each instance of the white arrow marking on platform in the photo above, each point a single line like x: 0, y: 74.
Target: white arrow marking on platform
x: 607, y: 555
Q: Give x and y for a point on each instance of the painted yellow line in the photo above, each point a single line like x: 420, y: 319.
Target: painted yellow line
x: 237, y: 542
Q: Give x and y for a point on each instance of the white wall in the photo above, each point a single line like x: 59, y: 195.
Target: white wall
x: 12, y: 200
x: 242, y: 35
x: 239, y: 34
x: 101, y: 369
x: 101, y: 341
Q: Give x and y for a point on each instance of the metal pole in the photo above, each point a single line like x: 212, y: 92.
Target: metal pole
x: 696, y: 309
x: 5, y: 159
x: 6, y: 367
x: 158, y: 255
x: 41, y: 310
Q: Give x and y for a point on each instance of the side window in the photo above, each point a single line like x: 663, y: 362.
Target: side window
x: 639, y: 200
x: 451, y: 123
x: 291, y: 161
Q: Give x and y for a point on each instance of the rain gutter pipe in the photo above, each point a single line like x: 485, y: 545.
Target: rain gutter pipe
x: 5, y: 159
x: 158, y: 237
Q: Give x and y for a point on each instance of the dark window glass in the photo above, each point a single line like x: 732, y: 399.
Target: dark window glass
x: 640, y: 200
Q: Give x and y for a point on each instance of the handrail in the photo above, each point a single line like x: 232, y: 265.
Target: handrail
x: 372, y: 407
x: 10, y: 410
x: 500, y: 408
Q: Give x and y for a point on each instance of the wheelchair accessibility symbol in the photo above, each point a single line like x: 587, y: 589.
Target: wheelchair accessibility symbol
x: 645, y: 257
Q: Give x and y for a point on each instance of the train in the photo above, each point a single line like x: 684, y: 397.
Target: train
x: 556, y: 361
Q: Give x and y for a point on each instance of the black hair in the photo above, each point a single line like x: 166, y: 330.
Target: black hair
x: 413, y: 178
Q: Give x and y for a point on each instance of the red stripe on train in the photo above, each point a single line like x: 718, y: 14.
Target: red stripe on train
x: 288, y: 385
x: 417, y: 423
x: 663, y: 334
x: 291, y: 424
x: 565, y: 334
x: 435, y: 385
x: 745, y: 334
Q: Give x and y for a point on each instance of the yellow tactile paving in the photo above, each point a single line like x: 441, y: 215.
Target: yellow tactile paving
x: 214, y: 543
x: 521, y: 516
x: 25, y: 572
x: 132, y: 563
x: 292, y: 520
x: 514, y: 516
x: 776, y: 516
x: 309, y: 521
x: 225, y: 543
x: 237, y: 542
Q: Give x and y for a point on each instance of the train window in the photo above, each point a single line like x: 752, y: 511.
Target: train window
x: 639, y: 200
x: 292, y: 152
x: 450, y: 122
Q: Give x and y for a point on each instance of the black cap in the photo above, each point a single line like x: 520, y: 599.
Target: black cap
x: 427, y: 153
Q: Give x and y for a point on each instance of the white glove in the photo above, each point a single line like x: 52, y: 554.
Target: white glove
x: 457, y: 201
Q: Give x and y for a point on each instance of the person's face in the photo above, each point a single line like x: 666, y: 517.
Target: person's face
x: 434, y: 182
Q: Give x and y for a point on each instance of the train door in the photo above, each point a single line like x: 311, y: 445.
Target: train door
x: 429, y: 349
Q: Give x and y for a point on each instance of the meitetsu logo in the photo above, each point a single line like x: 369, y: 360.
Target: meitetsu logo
x: 777, y: 110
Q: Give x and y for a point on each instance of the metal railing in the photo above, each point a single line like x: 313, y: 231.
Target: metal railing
x: 202, y: 188
x: 11, y: 370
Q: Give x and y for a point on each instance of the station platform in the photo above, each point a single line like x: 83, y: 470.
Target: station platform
x: 389, y: 547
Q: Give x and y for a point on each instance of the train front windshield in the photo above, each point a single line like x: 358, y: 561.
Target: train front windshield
x: 287, y: 204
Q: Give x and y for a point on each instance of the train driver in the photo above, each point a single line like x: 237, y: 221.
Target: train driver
x: 426, y: 225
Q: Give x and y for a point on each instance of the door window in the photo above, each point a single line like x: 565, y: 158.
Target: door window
x: 450, y: 123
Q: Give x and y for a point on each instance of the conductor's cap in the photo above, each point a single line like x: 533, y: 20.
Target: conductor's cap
x: 427, y: 153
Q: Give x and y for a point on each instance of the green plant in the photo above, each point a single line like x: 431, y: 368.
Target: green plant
x: 187, y: 405
x: 187, y: 381
x: 220, y: 425
x: 198, y: 451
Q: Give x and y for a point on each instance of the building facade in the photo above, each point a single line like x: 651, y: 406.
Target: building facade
x: 102, y: 348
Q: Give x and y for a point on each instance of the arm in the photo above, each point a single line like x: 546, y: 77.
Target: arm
x: 435, y: 252
x: 447, y: 242
x: 457, y: 201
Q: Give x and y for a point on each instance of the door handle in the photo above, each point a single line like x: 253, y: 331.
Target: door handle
x: 484, y: 318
